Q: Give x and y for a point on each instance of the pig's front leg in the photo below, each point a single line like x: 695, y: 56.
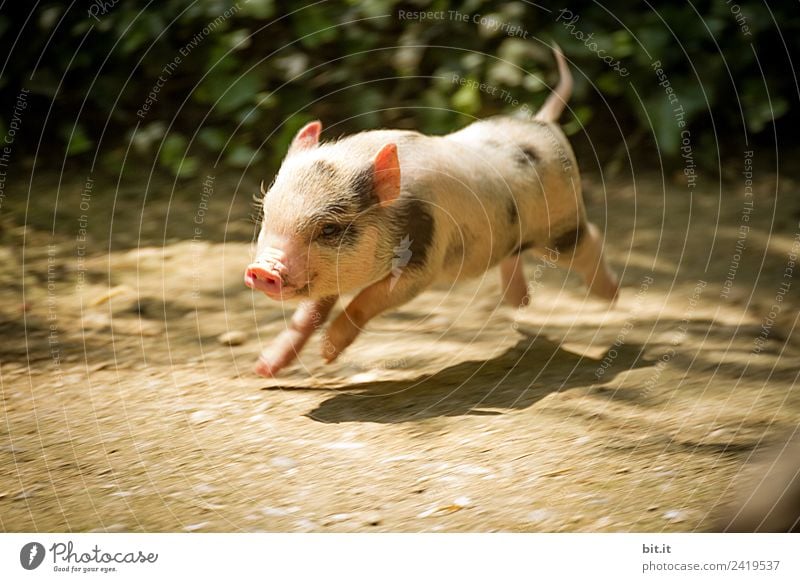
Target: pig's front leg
x: 372, y: 301
x: 310, y: 315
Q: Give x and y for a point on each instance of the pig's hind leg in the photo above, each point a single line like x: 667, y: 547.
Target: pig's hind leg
x: 581, y: 250
x: 310, y: 315
x: 512, y: 281
x: 385, y: 294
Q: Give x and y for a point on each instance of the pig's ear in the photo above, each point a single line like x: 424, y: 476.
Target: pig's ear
x: 386, y: 178
x: 306, y: 138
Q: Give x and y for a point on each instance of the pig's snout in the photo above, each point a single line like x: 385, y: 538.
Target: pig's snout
x: 266, y: 277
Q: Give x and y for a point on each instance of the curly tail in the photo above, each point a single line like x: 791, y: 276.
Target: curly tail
x: 555, y: 103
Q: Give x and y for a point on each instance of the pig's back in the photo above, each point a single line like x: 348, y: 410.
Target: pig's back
x: 508, y: 185
x: 494, y: 187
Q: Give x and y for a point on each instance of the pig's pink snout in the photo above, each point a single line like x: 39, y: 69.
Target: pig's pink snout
x: 263, y: 278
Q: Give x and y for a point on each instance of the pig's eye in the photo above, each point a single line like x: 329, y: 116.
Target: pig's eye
x: 330, y: 230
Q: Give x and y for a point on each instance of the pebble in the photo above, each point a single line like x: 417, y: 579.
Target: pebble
x: 338, y: 518
x: 113, y: 528
x: 24, y: 495
x: 284, y: 462
x: 305, y: 525
x: 398, y: 458
x: 602, y: 522
x: 675, y: 516
x: 539, y: 515
x: 458, y: 504
x: 472, y: 470
x: 363, y: 377
x: 344, y: 446
x: 232, y: 338
x: 274, y: 511
x: 118, y: 291
x: 202, y: 416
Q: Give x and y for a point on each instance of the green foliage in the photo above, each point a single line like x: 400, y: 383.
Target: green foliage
x: 186, y: 81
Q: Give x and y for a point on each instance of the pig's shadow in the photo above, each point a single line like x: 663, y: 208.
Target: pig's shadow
x: 515, y: 379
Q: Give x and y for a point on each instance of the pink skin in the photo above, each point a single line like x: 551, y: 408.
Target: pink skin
x: 370, y: 302
x: 270, y: 275
x: 587, y: 260
x: 276, y: 273
x: 261, y: 277
x: 310, y: 315
x: 280, y: 276
x: 282, y: 271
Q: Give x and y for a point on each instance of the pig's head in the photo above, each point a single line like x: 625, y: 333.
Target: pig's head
x: 322, y: 232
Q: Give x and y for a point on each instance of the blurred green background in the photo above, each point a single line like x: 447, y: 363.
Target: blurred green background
x: 233, y: 86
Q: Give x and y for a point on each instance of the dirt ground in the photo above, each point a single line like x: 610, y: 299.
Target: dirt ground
x: 122, y: 411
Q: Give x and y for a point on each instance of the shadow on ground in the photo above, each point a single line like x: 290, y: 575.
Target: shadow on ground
x: 514, y: 380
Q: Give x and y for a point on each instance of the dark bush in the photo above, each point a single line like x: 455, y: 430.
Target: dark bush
x: 181, y: 81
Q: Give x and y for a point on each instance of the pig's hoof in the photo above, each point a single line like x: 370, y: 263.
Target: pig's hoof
x: 610, y: 292
x: 339, y: 335
x: 517, y: 301
x: 605, y: 287
x: 329, y: 350
x: 264, y: 369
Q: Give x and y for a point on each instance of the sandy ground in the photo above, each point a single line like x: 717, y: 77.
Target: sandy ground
x: 120, y: 410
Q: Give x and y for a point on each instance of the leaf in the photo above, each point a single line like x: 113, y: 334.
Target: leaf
x: 467, y: 99
x: 242, y: 156
x: 213, y: 138
x: 313, y: 26
x: 174, y: 157
x: 77, y: 141
x: 262, y: 9
x: 240, y: 92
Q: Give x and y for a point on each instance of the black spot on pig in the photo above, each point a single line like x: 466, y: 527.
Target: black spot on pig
x: 325, y: 168
x: 525, y: 155
x: 512, y: 211
x: 568, y: 240
x: 362, y: 187
x: 415, y: 221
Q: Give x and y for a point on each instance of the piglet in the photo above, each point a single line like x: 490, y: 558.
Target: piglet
x: 386, y: 213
